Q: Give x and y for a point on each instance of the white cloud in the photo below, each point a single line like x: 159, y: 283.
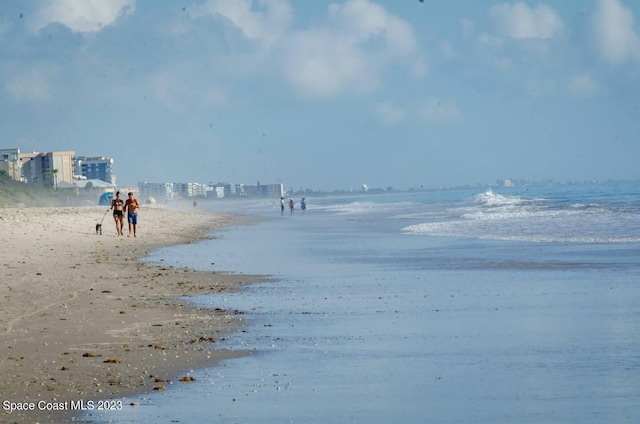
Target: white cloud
x: 347, y: 52
x: 265, y: 27
x: 322, y: 64
x: 616, y: 37
x: 583, y: 84
x: 363, y: 21
x: 84, y: 16
x: 440, y: 112
x: 389, y: 113
x: 358, y: 43
x: 489, y: 40
x: 519, y: 21
x: 31, y: 85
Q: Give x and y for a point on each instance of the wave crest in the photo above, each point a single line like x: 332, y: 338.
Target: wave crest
x: 489, y: 198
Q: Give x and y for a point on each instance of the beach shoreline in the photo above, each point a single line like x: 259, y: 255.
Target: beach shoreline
x: 84, y: 319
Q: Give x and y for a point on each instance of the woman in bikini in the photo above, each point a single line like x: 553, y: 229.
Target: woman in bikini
x: 117, y: 205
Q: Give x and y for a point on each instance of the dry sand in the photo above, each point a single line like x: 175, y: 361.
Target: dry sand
x: 83, y: 319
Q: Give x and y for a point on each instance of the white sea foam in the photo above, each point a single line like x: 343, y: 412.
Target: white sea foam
x: 541, y: 232
x: 364, y: 207
x: 489, y: 198
x: 422, y: 215
x: 498, y: 217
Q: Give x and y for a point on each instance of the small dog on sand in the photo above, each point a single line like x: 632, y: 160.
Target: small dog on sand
x: 99, y: 229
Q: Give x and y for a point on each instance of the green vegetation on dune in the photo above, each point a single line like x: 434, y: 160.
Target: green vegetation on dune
x: 17, y: 194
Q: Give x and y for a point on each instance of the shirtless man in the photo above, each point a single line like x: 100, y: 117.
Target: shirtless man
x: 117, y: 204
x: 131, y: 206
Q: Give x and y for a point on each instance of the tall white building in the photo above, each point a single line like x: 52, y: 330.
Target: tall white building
x: 162, y: 192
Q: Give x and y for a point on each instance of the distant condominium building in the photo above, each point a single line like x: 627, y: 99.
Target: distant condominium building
x: 227, y: 190
x: 189, y: 190
x: 48, y: 169
x: 241, y: 190
x: 169, y: 191
x: 161, y: 192
x: 272, y: 190
x: 95, y: 168
x: 10, y: 163
x: 264, y: 190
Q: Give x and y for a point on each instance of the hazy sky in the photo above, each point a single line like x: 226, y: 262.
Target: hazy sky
x: 327, y: 94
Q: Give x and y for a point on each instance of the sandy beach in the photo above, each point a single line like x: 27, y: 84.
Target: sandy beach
x: 83, y: 319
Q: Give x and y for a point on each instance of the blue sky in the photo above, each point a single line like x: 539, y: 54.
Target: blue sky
x: 327, y: 94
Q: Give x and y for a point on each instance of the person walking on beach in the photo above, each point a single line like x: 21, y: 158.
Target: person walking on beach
x: 291, y: 205
x: 117, y: 204
x: 195, y: 205
x: 303, y: 204
x: 281, y: 206
x: 131, y: 206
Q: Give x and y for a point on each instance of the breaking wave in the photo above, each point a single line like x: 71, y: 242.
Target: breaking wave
x: 498, y: 217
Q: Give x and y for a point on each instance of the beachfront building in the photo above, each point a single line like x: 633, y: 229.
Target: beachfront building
x: 10, y: 163
x: 263, y: 190
x: 94, y: 186
x: 241, y: 190
x: 272, y: 190
x: 189, y: 190
x: 170, y: 191
x: 95, y: 168
x: 227, y: 189
x: 218, y: 192
x: 161, y: 192
x: 124, y: 190
x: 48, y: 169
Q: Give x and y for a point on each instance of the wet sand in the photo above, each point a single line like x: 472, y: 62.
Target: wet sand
x: 82, y: 319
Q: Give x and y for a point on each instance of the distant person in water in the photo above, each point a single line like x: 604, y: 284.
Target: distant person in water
x: 291, y: 205
x: 195, y: 205
x: 281, y: 205
x: 117, y: 204
x: 131, y: 206
x: 303, y: 204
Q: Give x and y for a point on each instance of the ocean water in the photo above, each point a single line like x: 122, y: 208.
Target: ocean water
x: 516, y: 305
